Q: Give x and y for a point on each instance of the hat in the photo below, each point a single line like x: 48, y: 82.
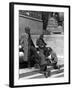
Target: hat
x: 27, y: 29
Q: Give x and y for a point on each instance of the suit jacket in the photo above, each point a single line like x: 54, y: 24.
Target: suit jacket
x: 42, y: 56
x: 25, y: 46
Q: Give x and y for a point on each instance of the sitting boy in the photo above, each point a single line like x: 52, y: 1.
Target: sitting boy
x: 51, y: 58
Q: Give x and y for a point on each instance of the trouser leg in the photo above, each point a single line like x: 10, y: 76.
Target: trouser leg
x: 43, y: 67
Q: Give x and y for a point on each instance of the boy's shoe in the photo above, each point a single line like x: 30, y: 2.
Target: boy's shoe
x: 47, y: 74
x: 57, y: 67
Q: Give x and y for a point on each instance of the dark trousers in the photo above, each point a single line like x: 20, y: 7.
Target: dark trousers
x: 43, y: 67
x: 33, y: 57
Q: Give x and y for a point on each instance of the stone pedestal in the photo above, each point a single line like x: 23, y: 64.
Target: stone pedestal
x: 53, y: 27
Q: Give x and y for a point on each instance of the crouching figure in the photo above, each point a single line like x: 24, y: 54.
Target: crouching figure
x: 51, y: 58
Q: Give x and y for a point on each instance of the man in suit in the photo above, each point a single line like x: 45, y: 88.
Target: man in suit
x: 32, y: 56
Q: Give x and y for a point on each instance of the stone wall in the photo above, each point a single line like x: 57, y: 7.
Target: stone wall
x: 35, y: 25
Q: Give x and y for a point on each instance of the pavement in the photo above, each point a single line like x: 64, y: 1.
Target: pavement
x: 33, y: 73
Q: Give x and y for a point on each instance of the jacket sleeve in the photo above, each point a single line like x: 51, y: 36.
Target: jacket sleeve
x: 54, y: 57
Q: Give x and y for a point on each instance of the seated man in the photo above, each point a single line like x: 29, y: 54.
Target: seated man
x: 48, y: 56
x: 41, y: 45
